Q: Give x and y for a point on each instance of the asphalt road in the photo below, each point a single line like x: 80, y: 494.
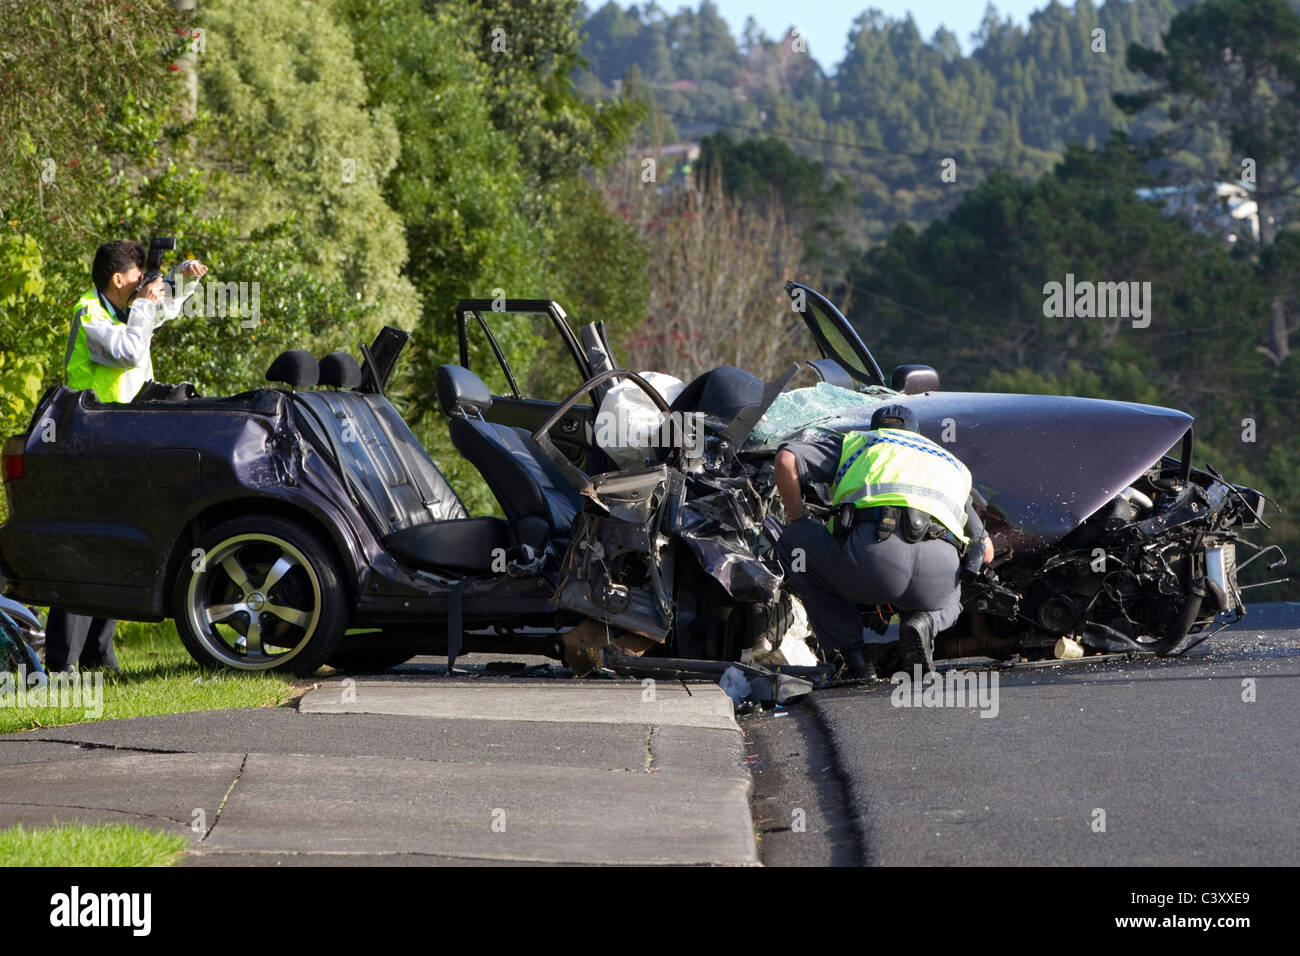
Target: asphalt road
x: 1184, y: 761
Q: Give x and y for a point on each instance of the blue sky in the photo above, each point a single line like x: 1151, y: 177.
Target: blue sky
x: 826, y: 22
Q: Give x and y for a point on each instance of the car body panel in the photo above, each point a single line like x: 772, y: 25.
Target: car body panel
x: 1044, y: 463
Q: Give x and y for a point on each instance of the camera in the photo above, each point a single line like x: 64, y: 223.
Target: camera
x: 153, y: 261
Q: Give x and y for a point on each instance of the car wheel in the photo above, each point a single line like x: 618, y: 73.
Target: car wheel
x: 264, y: 595
x: 749, y: 624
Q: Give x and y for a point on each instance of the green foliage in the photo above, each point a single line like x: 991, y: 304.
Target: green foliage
x: 763, y: 170
x: 78, y: 88
x: 22, y: 286
x: 292, y: 129
x: 84, y: 844
x: 600, y: 261
x: 457, y: 180
x: 531, y: 49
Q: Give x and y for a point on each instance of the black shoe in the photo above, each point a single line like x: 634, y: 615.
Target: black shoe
x: 856, y: 663
x: 916, y: 640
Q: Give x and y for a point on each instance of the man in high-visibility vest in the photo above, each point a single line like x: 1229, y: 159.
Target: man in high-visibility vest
x: 113, y: 323
x: 902, y: 530
x: 108, y: 351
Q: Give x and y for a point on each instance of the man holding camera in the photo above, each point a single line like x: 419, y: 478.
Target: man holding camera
x: 113, y: 323
x: 108, y: 352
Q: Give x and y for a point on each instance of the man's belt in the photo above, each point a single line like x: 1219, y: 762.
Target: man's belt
x: 889, y: 520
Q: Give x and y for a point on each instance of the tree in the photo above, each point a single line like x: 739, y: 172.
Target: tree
x: 299, y: 144
x: 531, y: 49
x: 716, y: 274
x: 1235, y: 65
x: 457, y: 179
x: 764, y: 170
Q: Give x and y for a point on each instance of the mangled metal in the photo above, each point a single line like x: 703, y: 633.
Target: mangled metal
x: 1103, y: 540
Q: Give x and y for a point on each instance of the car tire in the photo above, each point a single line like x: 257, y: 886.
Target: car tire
x: 229, y: 617
x: 750, y: 623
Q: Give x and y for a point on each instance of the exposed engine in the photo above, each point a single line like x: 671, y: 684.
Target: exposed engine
x: 1155, y: 564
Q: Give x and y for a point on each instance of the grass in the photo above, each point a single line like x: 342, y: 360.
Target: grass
x: 157, y: 677
x: 80, y: 844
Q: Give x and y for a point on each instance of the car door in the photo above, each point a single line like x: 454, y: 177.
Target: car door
x: 835, y: 337
x: 490, y: 330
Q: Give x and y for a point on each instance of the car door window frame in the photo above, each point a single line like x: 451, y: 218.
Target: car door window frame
x: 553, y: 310
x: 815, y: 300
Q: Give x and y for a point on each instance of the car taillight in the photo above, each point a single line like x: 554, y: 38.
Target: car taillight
x: 13, y: 457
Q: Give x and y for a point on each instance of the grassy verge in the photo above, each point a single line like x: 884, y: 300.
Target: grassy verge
x: 157, y: 677
x: 79, y: 844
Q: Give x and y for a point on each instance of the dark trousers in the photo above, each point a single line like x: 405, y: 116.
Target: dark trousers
x: 72, y: 639
x: 834, y: 578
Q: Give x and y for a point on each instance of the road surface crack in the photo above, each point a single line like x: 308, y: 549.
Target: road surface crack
x: 217, y: 819
x: 94, y: 745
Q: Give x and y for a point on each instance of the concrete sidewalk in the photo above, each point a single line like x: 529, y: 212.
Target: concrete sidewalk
x: 412, y: 769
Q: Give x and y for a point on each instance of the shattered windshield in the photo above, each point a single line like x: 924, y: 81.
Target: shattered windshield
x: 801, y: 408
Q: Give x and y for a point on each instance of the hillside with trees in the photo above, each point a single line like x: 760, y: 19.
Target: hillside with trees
x: 898, y: 104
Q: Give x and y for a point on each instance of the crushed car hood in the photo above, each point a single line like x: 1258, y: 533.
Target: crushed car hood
x: 1043, y: 462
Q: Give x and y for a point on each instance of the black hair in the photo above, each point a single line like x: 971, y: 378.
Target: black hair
x: 114, y: 257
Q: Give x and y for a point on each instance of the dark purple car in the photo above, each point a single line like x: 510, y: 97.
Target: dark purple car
x: 302, y: 523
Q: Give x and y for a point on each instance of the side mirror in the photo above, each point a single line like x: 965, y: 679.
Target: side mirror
x: 914, y: 379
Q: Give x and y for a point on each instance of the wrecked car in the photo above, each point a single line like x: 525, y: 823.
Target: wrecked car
x: 1104, y: 541
x: 270, y: 524
x: 302, y: 523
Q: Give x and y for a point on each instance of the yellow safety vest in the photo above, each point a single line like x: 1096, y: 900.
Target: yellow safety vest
x: 110, y: 383
x: 892, y: 467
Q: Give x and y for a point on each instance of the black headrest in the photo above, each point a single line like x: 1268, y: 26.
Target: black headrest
x: 296, y: 368
x: 340, y: 370
x: 460, y: 390
x: 722, y: 392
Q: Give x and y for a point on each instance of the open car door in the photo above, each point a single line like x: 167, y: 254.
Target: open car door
x: 560, y: 365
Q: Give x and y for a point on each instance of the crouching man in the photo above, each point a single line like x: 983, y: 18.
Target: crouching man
x: 902, y: 531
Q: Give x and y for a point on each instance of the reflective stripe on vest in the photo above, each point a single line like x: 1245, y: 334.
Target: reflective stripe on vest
x: 890, y: 467
x: 109, y: 383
